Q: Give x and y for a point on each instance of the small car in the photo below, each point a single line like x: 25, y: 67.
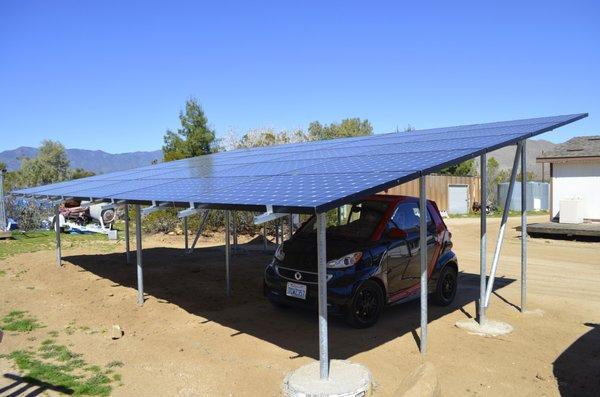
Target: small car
x: 373, y: 260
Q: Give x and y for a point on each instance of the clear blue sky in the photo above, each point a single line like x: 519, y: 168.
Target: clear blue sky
x: 114, y: 76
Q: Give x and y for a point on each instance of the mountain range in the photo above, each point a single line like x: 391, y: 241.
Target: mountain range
x: 97, y: 161
x: 101, y: 162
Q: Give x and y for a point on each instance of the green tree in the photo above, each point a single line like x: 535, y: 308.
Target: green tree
x: 266, y: 137
x: 49, y: 166
x: 79, y: 173
x: 466, y: 168
x: 347, y: 128
x: 194, y: 138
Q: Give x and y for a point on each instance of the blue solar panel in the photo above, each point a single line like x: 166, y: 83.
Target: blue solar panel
x: 304, y: 177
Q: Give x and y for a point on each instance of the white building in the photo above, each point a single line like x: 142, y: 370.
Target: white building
x: 575, y: 174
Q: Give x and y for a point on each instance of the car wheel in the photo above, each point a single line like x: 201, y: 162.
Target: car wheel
x: 447, y: 285
x: 366, y: 306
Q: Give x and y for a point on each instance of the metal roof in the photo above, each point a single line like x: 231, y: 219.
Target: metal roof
x: 580, y: 146
x: 304, y: 177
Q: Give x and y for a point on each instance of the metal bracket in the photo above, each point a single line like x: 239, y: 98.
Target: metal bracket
x: 153, y: 208
x: 268, y: 216
x: 113, y: 204
x: 189, y: 211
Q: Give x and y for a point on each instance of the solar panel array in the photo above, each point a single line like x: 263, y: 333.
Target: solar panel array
x: 302, y: 177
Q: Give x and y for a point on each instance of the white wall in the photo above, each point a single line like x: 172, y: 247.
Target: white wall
x: 577, y: 180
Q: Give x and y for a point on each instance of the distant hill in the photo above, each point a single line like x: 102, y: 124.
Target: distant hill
x: 506, y: 155
x: 96, y: 161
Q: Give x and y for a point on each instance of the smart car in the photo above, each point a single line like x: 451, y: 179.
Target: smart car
x: 373, y: 260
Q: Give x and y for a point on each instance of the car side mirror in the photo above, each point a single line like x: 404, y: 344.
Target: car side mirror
x: 396, y: 234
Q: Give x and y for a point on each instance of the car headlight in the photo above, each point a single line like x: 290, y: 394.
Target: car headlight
x: 279, y: 254
x: 345, y: 261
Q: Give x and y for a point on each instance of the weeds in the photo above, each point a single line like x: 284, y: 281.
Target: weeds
x: 19, y: 321
x: 56, y: 364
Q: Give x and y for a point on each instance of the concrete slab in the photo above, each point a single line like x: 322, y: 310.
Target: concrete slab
x: 346, y: 379
x: 490, y: 328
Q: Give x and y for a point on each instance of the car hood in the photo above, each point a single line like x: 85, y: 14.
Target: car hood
x: 301, y: 253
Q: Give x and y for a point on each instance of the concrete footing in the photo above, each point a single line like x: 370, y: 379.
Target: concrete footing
x: 346, y: 379
x: 490, y: 328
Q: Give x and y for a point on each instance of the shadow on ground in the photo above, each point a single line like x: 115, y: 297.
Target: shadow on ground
x: 577, y: 369
x: 28, y: 387
x: 196, y: 283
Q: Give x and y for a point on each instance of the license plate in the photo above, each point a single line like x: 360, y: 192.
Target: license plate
x: 296, y: 290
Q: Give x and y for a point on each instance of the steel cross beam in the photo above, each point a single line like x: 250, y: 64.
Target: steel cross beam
x: 200, y: 230
x: 511, y: 185
x: 322, y: 291
x: 423, y: 252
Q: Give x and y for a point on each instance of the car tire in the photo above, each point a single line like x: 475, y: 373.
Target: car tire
x: 447, y: 285
x: 366, y: 305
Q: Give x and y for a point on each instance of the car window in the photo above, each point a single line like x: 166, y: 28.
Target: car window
x: 359, y: 224
x: 407, y: 217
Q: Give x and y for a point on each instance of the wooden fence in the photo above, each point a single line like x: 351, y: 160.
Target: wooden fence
x: 437, y: 188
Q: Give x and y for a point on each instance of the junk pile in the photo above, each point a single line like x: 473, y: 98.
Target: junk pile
x: 77, y: 216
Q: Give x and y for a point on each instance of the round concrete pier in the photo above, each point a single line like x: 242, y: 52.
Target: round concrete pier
x: 346, y: 379
x: 490, y: 328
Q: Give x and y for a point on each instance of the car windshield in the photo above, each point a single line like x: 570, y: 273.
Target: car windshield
x: 358, y: 221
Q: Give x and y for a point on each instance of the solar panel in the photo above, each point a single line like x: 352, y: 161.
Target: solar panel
x: 303, y: 177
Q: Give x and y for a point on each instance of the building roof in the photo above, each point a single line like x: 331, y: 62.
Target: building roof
x: 310, y: 177
x: 575, y: 148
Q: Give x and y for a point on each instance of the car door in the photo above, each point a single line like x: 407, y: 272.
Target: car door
x: 412, y: 272
x: 398, y: 255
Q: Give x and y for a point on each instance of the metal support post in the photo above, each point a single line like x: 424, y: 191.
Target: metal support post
x: 57, y: 230
x: 3, y: 222
x: 423, y: 252
x: 235, y: 237
x: 511, y: 185
x: 483, y: 237
x: 523, y: 225
x: 127, y: 248
x: 339, y: 216
x: 185, y: 233
x: 265, y: 237
x: 322, y: 290
x: 138, y: 247
x: 227, y: 250
x: 291, y: 226
x: 277, y: 232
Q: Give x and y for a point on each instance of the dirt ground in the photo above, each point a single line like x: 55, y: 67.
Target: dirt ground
x: 189, y: 339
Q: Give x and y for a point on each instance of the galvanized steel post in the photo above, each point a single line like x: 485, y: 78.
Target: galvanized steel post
x: 523, y: 225
x: 235, y: 237
x: 138, y: 247
x: 483, y: 237
x: 227, y: 251
x: 423, y: 252
x: 3, y: 222
x: 127, y: 248
x: 57, y: 230
x: 185, y: 233
x: 511, y: 185
x: 322, y: 291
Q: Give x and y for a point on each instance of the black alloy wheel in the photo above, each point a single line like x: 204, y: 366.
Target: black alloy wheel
x: 447, y: 286
x: 366, y: 305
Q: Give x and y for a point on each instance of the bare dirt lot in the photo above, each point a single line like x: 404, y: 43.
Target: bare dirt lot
x: 189, y: 339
